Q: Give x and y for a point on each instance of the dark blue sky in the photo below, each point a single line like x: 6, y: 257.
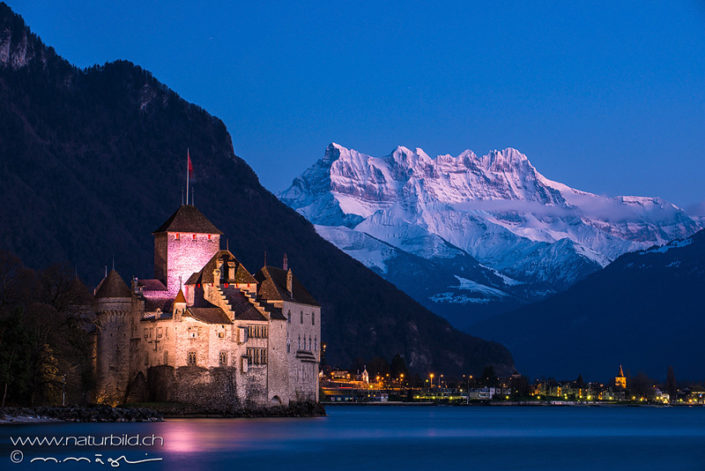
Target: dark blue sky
x: 604, y: 96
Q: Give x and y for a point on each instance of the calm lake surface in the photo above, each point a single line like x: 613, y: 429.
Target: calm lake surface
x: 397, y: 438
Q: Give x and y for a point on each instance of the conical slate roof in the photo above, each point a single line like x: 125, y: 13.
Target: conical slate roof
x: 180, y: 298
x: 112, y: 286
x: 188, y: 219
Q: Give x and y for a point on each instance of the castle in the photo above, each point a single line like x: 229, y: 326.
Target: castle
x: 205, y: 330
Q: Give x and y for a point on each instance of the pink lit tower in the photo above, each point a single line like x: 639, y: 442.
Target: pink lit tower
x: 182, y: 246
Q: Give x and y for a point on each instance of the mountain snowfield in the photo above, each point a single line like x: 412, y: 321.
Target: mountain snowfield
x: 472, y: 235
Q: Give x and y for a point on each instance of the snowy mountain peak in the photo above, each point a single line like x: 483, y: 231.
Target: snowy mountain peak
x: 496, y: 208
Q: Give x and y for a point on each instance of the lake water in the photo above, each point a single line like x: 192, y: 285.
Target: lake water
x: 398, y: 439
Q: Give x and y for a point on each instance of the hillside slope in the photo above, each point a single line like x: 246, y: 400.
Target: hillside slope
x: 92, y: 161
x: 645, y: 311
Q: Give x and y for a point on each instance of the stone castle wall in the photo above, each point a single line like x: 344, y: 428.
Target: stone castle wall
x: 113, y: 349
x: 277, y: 364
x: 304, y: 325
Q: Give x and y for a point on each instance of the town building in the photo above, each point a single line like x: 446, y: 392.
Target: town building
x: 620, y: 381
x: 205, y: 330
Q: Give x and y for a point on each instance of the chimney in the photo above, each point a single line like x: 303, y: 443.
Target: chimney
x: 285, y: 264
x: 290, y: 282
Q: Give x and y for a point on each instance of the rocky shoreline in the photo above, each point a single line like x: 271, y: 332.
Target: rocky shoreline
x: 95, y: 413
x: 295, y: 409
x: 149, y: 413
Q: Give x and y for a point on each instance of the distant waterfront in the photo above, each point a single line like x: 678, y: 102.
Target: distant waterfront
x: 411, y: 438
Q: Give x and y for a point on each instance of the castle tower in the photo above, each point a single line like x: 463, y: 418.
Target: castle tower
x: 182, y: 246
x: 113, y: 313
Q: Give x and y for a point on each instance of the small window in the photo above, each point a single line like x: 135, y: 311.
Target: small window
x: 313, y: 318
x: 159, y: 332
x: 302, y: 317
x: 209, y: 237
x: 223, y: 358
x: 194, y: 237
x: 191, y: 359
x: 288, y: 346
x: 288, y: 317
x: 178, y: 236
x: 146, y: 333
x: 166, y: 357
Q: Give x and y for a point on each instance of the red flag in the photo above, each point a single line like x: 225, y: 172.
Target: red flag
x: 190, y: 165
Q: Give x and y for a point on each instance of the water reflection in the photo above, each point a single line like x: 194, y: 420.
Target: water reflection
x: 414, y: 438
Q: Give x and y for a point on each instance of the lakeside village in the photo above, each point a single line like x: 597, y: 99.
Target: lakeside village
x: 343, y: 387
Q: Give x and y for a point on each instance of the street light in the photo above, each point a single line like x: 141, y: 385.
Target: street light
x: 431, y: 376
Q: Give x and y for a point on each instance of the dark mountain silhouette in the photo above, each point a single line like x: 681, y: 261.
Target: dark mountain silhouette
x: 92, y: 161
x: 645, y: 310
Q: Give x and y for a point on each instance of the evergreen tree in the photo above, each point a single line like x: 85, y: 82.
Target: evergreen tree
x: 398, y: 367
x: 671, y: 386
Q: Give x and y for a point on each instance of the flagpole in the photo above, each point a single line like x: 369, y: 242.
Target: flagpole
x: 188, y: 156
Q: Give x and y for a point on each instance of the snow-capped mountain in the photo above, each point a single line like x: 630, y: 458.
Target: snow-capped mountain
x: 517, y: 234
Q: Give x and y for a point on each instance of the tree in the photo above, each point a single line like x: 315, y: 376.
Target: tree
x: 641, y: 385
x: 671, y: 386
x: 398, y: 367
x: 378, y: 366
x: 489, y: 378
x: 520, y: 387
x: 15, y: 357
x: 580, y: 383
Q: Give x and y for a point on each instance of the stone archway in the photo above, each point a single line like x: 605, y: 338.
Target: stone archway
x: 275, y: 401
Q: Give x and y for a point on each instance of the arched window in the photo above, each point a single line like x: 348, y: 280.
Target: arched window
x: 191, y: 359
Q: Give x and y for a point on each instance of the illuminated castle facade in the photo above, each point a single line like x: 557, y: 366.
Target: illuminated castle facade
x: 205, y: 330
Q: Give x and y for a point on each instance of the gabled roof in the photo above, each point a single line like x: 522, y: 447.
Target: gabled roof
x: 241, y: 306
x: 273, y: 287
x: 206, y: 273
x: 151, y: 285
x: 162, y: 304
x: 209, y: 315
x: 188, y: 219
x: 112, y: 286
